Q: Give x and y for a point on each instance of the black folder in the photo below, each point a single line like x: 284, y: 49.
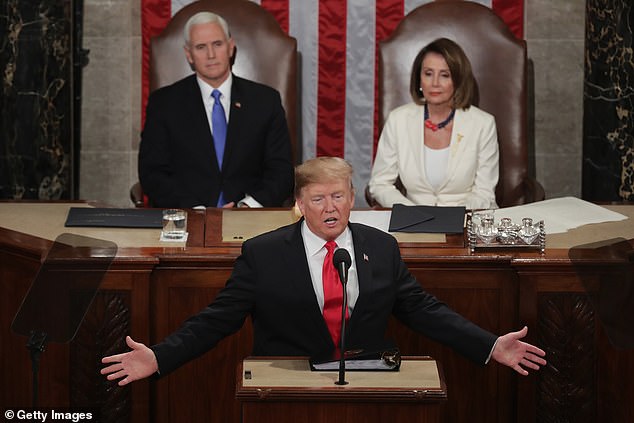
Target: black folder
x: 427, y: 219
x: 114, y: 218
x: 382, y: 358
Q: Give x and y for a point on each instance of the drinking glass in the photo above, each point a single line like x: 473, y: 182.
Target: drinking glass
x: 174, y: 224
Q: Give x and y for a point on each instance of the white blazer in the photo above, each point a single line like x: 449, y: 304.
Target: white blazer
x: 472, y: 169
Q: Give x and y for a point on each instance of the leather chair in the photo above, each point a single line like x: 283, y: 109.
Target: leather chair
x: 264, y: 53
x: 499, y: 64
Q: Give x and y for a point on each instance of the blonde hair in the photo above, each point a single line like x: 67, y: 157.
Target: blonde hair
x: 322, y: 170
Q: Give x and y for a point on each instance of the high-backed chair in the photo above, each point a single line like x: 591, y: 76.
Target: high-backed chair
x: 264, y: 53
x: 499, y: 65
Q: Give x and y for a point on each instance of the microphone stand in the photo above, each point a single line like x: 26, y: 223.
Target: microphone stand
x: 35, y: 344
x: 342, y: 342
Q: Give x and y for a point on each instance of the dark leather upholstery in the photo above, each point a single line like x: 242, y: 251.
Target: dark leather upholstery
x: 500, y: 67
x: 264, y: 53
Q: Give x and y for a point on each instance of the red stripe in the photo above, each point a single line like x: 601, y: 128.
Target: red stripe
x: 512, y: 13
x: 388, y: 15
x: 331, y: 75
x: 155, y: 14
x: 279, y: 10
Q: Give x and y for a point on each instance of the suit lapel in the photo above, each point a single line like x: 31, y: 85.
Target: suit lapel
x: 297, y: 262
x: 415, y: 129
x: 362, y: 258
x: 458, y: 142
x: 236, y: 118
x: 196, y: 116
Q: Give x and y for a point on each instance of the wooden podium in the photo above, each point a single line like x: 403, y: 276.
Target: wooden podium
x: 286, y: 390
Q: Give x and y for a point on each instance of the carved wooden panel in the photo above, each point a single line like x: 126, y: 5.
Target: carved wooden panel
x: 567, y: 385
x: 102, y: 333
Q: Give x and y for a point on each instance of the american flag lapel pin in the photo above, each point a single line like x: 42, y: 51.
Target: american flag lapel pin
x: 237, y: 104
x: 365, y: 257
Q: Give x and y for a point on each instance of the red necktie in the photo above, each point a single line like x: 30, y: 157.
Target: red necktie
x: 333, y: 294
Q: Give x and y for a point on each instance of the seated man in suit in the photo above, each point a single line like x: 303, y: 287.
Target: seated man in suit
x: 212, y: 138
x: 280, y: 281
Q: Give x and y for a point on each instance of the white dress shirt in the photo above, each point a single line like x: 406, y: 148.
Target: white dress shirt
x: 316, y: 253
x: 208, y: 100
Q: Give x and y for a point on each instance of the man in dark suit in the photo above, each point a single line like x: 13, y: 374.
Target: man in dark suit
x: 277, y: 281
x: 181, y: 163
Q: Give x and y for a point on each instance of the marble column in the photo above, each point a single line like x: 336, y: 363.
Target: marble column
x: 608, y: 124
x: 36, y: 146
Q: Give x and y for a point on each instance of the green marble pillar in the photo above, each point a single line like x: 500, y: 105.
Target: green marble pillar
x: 608, y: 123
x: 36, y: 145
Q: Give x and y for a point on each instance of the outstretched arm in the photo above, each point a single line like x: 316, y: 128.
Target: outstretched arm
x: 132, y: 365
x: 512, y: 352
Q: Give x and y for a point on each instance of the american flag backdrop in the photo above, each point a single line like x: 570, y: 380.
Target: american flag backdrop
x: 337, y: 41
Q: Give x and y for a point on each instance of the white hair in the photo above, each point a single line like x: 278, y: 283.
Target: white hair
x: 203, y: 18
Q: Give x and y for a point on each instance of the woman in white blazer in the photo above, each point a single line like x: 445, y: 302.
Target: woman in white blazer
x: 442, y: 147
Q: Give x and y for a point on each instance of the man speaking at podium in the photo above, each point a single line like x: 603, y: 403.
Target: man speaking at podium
x: 280, y: 280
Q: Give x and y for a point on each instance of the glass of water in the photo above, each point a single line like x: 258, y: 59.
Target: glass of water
x: 174, y: 224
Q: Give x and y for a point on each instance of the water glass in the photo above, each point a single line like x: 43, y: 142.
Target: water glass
x: 174, y: 224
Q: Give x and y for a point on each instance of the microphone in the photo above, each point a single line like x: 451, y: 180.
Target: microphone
x: 342, y: 262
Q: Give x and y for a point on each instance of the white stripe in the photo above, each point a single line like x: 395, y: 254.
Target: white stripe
x: 487, y: 3
x: 409, y: 5
x: 359, y: 95
x: 179, y: 4
x: 303, y: 25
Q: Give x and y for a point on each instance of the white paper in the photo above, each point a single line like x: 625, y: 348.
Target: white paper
x: 379, y: 219
x: 560, y: 214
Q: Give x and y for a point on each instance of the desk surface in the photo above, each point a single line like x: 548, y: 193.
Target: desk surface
x: 596, y: 232
x: 278, y: 373
x: 46, y: 221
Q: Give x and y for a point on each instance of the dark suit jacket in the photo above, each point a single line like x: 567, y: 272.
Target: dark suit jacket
x: 177, y: 159
x: 271, y: 283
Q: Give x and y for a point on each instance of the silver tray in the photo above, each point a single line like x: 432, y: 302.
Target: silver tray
x: 475, y: 243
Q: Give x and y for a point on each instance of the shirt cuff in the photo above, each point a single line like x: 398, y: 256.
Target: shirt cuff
x: 491, y: 352
x: 249, y: 201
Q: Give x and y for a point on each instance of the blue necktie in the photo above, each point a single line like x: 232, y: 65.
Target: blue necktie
x: 219, y: 128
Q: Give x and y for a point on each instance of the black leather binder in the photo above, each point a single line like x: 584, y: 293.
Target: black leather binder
x: 114, y: 218
x: 427, y: 219
x: 362, y: 359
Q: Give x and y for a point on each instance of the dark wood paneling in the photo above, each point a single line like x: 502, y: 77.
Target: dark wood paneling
x: 150, y: 291
x: 206, y: 386
x: 69, y: 373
